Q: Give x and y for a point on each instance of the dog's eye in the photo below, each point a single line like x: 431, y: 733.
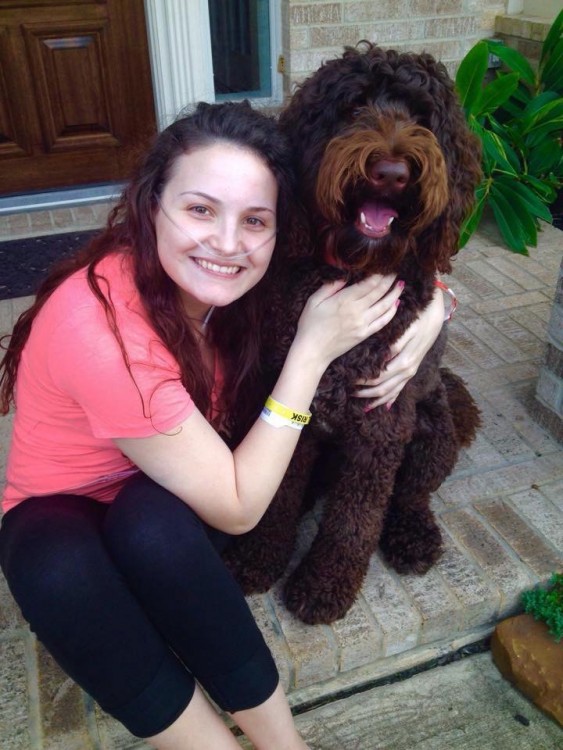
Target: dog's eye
x: 356, y: 112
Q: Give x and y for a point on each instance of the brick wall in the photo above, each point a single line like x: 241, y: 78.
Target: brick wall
x: 318, y: 30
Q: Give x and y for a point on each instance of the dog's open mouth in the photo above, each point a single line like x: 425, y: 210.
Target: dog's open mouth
x: 374, y: 218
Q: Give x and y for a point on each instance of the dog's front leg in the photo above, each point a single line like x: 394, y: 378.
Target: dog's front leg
x: 326, y: 583
x: 258, y: 558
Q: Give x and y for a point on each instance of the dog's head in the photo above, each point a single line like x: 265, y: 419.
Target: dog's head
x: 387, y: 164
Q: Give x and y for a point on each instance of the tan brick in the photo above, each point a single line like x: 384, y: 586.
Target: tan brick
x: 473, y: 349
x: 307, y: 62
x: 357, y: 637
x: 41, y: 222
x: 479, y: 600
x: 529, y: 546
x: 439, y: 609
x: 355, y: 12
x: 334, y: 36
x: 300, y: 39
x: 500, y: 481
x: 392, y: 609
x: 507, y: 303
x: 386, y: 34
x: 501, y: 568
x: 462, y: 26
x: 541, y: 513
x: 62, y: 218
x: 19, y: 223
x: 10, y: 615
x: 61, y: 704
x: 315, y: 14
x: 312, y: 649
x: 15, y: 727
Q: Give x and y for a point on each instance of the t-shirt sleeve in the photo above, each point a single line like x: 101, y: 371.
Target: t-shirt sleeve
x: 86, y: 363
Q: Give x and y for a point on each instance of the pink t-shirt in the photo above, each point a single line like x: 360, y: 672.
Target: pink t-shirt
x: 74, y: 392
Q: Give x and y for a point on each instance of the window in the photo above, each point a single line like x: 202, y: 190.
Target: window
x: 242, y: 42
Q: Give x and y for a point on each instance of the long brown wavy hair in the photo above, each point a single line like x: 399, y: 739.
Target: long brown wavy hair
x: 235, y: 329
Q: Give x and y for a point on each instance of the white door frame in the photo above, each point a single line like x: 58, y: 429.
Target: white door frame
x: 180, y: 51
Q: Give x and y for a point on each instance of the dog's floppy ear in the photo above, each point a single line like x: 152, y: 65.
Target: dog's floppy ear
x: 322, y: 103
x: 462, y: 152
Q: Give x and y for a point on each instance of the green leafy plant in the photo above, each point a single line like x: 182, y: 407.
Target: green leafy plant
x: 518, y: 116
x: 547, y: 605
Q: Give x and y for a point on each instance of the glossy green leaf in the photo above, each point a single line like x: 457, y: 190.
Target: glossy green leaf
x: 544, y: 157
x: 546, y: 192
x: 551, y: 74
x: 514, y: 59
x: 496, y: 149
x: 552, y: 39
x: 470, y: 76
x: 496, y: 93
x: 529, y: 200
x: 473, y: 220
x: 508, y: 222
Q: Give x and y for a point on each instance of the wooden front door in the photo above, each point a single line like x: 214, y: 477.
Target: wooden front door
x: 76, y: 100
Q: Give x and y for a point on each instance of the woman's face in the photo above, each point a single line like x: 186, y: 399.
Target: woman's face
x: 216, y: 224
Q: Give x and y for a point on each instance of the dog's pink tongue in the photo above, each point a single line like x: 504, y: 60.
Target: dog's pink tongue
x: 376, y: 217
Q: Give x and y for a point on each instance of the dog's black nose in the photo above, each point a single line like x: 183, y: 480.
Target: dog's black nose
x: 390, y: 177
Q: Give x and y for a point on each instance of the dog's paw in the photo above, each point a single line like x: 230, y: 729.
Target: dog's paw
x: 316, y: 601
x: 411, y: 541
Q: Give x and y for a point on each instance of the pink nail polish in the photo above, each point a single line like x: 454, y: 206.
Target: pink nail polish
x: 397, y: 302
x: 388, y: 406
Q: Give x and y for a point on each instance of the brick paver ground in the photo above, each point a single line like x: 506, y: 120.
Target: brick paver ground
x: 501, y: 512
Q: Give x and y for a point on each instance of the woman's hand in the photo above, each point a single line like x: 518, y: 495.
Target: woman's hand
x: 406, y: 355
x: 337, y: 318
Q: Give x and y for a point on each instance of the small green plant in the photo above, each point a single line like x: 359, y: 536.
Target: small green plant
x: 518, y: 116
x: 547, y: 605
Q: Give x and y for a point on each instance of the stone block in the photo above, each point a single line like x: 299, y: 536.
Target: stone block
x: 550, y: 391
x: 528, y: 545
x: 334, y: 36
x: 439, y: 610
x: 479, y: 598
x: 392, y: 608
x: 16, y: 731
x: 540, y: 513
x: 488, y: 484
x: 315, y: 13
x: 555, y: 329
x: 312, y: 648
x: 501, y: 567
x: 358, y: 638
x: 527, y: 655
x: 554, y: 360
x: 61, y: 706
x: 374, y: 10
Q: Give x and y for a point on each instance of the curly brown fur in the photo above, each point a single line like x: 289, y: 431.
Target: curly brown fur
x: 378, y: 135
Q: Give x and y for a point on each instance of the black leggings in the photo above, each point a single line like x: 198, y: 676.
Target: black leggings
x: 133, y: 601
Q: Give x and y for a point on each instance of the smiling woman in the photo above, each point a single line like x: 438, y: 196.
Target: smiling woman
x: 120, y: 490
x: 215, y: 239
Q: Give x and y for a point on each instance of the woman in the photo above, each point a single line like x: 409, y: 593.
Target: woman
x: 120, y: 493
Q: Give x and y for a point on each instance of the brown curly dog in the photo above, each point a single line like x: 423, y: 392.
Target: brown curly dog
x: 387, y: 169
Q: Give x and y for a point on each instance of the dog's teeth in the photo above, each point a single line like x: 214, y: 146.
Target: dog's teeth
x: 390, y: 221
x: 363, y: 218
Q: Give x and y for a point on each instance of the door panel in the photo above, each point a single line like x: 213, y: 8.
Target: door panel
x: 76, y: 96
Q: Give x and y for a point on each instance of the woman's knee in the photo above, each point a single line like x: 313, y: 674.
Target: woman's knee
x: 149, y: 526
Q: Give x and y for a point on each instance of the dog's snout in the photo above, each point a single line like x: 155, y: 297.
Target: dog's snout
x: 390, y: 177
